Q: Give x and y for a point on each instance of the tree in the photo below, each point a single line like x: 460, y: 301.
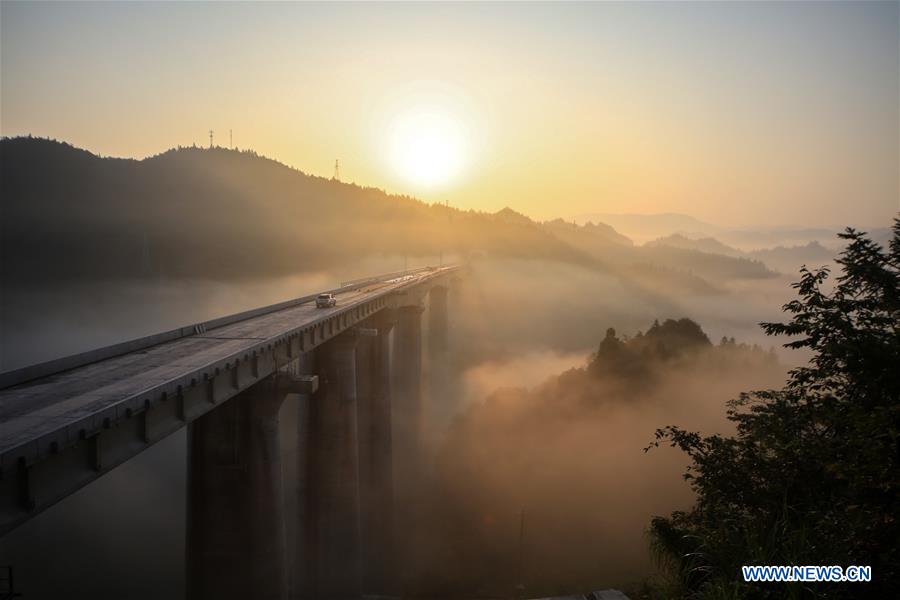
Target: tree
x: 673, y: 338
x: 812, y: 474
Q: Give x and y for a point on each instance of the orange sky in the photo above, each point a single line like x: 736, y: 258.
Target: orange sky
x: 737, y: 113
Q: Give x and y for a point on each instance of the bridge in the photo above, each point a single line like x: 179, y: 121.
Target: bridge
x: 356, y: 371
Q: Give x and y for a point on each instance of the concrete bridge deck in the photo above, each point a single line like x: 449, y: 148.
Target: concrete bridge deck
x: 137, y: 393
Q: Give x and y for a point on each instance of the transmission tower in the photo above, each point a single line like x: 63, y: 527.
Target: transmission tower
x: 230, y: 140
x: 337, y: 170
x: 210, y: 138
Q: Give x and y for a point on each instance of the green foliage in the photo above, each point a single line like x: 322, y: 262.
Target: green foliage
x: 633, y: 359
x: 674, y: 338
x: 812, y: 475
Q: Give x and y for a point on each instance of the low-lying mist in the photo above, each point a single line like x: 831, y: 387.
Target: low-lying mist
x: 513, y: 429
x: 568, y: 454
x: 540, y: 479
x: 508, y: 307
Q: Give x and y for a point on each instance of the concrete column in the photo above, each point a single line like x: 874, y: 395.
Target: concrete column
x: 334, y: 470
x: 375, y: 468
x: 437, y: 321
x: 436, y: 370
x: 408, y: 446
x: 236, y: 540
x: 407, y: 392
x: 297, y: 450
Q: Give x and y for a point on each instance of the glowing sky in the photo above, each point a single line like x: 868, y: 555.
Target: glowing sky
x: 737, y: 113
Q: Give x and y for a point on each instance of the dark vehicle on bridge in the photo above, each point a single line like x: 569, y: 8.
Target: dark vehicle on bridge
x: 325, y: 301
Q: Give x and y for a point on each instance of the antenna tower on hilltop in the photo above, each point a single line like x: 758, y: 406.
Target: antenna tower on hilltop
x: 210, y: 138
x: 337, y: 170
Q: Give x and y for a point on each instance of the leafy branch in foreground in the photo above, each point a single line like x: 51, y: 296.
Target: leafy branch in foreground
x: 812, y: 474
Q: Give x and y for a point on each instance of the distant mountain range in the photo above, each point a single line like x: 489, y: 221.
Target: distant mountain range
x: 705, y: 244
x: 605, y: 244
x: 754, y: 240
x: 588, y: 237
x: 642, y: 228
x: 219, y: 213
x: 786, y: 259
x: 651, y: 227
x: 782, y: 248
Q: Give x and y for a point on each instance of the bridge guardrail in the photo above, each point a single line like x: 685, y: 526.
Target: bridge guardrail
x: 377, y: 278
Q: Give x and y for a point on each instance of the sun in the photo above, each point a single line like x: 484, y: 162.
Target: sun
x: 427, y: 146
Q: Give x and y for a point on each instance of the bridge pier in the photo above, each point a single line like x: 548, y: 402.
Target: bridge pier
x: 236, y: 540
x: 298, y: 450
x: 438, y: 384
x: 334, y: 507
x: 407, y: 430
x: 437, y: 322
x: 407, y: 375
x: 220, y: 382
x: 375, y: 468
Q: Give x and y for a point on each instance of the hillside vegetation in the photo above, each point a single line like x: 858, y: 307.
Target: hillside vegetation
x: 562, y: 461
x: 811, y: 475
x: 226, y: 214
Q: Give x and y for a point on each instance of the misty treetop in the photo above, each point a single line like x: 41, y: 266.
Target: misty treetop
x: 564, y: 452
x: 812, y: 474
x: 672, y: 344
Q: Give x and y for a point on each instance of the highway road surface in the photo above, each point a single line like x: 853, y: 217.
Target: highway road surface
x: 49, y: 406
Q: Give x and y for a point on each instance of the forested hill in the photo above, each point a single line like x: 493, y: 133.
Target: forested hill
x: 220, y: 213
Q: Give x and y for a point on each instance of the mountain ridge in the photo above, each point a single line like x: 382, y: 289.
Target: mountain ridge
x: 222, y: 213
